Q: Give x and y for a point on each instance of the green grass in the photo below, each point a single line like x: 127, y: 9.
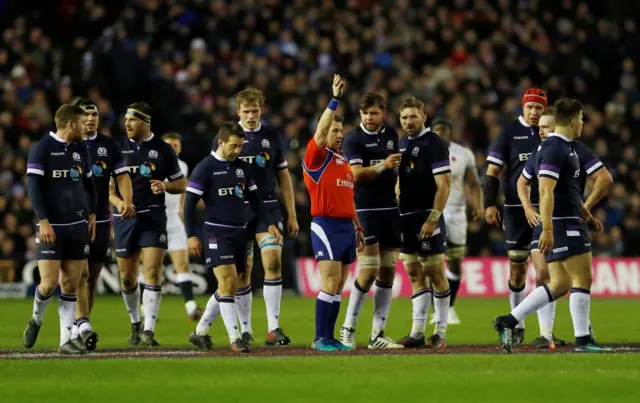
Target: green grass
x: 521, y: 378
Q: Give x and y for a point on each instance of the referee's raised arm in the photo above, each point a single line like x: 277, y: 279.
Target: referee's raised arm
x: 324, y: 124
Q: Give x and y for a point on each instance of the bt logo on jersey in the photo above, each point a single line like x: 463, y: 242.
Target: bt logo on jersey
x: 237, y: 190
x: 74, y: 173
x: 146, y: 169
x: 524, y: 156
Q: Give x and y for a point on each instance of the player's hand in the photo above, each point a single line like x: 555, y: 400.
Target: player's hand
x: 47, y: 235
x: 92, y: 228
x: 360, y: 240
x: 126, y: 210
x: 293, y: 227
x: 157, y: 186
x: 546, y: 242
x: 273, y: 230
x: 595, y: 226
x: 477, y: 212
x: 392, y: 161
x: 427, y: 229
x: 194, y: 246
x: 533, y: 218
x: 338, y: 85
x: 492, y: 215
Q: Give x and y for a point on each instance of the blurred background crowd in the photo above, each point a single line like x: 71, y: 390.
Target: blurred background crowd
x: 470, y: 60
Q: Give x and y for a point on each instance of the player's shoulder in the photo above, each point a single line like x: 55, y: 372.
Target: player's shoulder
x: 581, y: 148
x: 390, y: 131
x: 356, y: 135
x: 270, y: 132
x: 431, y: 138
x: 45, y: 141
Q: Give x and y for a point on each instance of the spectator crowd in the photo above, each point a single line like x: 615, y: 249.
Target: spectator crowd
x: 470, y: 60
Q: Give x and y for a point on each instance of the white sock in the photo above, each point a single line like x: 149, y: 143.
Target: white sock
x: 81, y: 325
x: 211, y: 312
x: 228, y: 312
x: 382, y: 293
x: 538, y: 298
x: 151, y: 298
x: 75, y: 332
x: 272, y: 293
x: 420, y: 301
x: 356, y: 300
x: 244, y: 300
x: 516, y: 296
x: 40, y: 303
x: 66, y: 311
x: 441, y: 308
x: 580, y: 305
x: 191, y: 307
x: 84, y: 326
x: 546, y: 317
x: 132, y: 302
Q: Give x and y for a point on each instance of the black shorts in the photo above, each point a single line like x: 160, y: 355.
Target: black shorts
x: 101, y: 246
x: 434, y: 245
x: 518, y: 233
x: 260, y: 224
x: 144, y: 230
x: 570, y: 238
x: 383, y: 227
x: 72, y: 243
x: 225, y: 245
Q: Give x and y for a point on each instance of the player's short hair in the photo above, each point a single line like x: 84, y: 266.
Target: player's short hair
x: 172, y: 136
x: 336, y: 118
x: 412, y: 102
x: 140, y: 110
x: 87, y: 104
x: 371, y: 99
x: 229, y: 129
x: 250, y: 95
x: 566, y: 109
x: 547, y: 112
x: 66, y: 113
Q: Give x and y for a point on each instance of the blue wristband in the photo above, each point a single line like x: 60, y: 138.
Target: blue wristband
x: 333, y: 104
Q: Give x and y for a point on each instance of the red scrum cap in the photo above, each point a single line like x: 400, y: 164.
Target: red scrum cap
x: 535, y: 95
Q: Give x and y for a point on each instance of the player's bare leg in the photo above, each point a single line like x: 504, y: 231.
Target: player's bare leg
x: 83, y: 334
x: 420, y: 301
x: 152, y: 271
x: 369, y: 266
x: 128, y: 268
x: 49, y: 274
x: 518, y: 265
x: 334, y: 275
x: 70, y: 273
x: 180, y: 260
x: 244, y: 298
x: 433, y: 267
x: 271, y: 254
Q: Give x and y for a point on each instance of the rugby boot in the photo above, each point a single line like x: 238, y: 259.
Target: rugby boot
x: 559, y: 342
x: 90, y: 339
x: 505, y: 333
x: 541, y: 343
x: 409, y: 341
x: 518, y: 336
x: 323, y: 345
x: 196, y: 315
x: 382, y: 342
x: 239, y: 346
x: 30, y: 334
x: 136, y: 329
x: 348, y: 337
x: 147, y: 338
x: 69, y: 348
x: 588, y: 345
x: 203, y: 342
x: 339, y: 346
x: 277, y: 338
x: 77, y: 343
x: 436, y: 341
x: 247, y: 338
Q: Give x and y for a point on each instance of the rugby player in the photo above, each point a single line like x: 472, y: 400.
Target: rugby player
x: 510, y: 152
x: 424, y: 182
x: 106, y: 162
x: 177, y: 236
x: 264, y: 150
x: 64, y: 201
x: 464, y: 177
x: 336, y: 233
x: 590, y: 167
x: 372, y: 153
x: 564, y: 238
x: 144, y: 235
x: 224, y: 182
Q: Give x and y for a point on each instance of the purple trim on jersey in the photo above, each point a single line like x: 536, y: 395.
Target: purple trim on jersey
x: 440, y: 164
x: 591, y: 163
x: 195, y: 186
x: 549, y: 167
x: 120, y: 164
x: 495, y: 154
x: 35, y: 166
x: 572, y: 228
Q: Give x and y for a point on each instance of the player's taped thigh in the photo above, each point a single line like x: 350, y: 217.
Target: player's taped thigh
x: 389, y: 258
x: 431, y: 261
x: 408, y: 258
x: 456, y: 252
x: 369, y: 262
x: 268, y: 242
x: 518, y: 256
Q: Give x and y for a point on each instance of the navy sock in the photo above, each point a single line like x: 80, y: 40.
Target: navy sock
x: 333, y: 317
x: 324, y: 306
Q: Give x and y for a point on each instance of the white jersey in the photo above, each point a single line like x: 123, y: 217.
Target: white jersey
x: 462, y: 159
x: 173, y: 201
